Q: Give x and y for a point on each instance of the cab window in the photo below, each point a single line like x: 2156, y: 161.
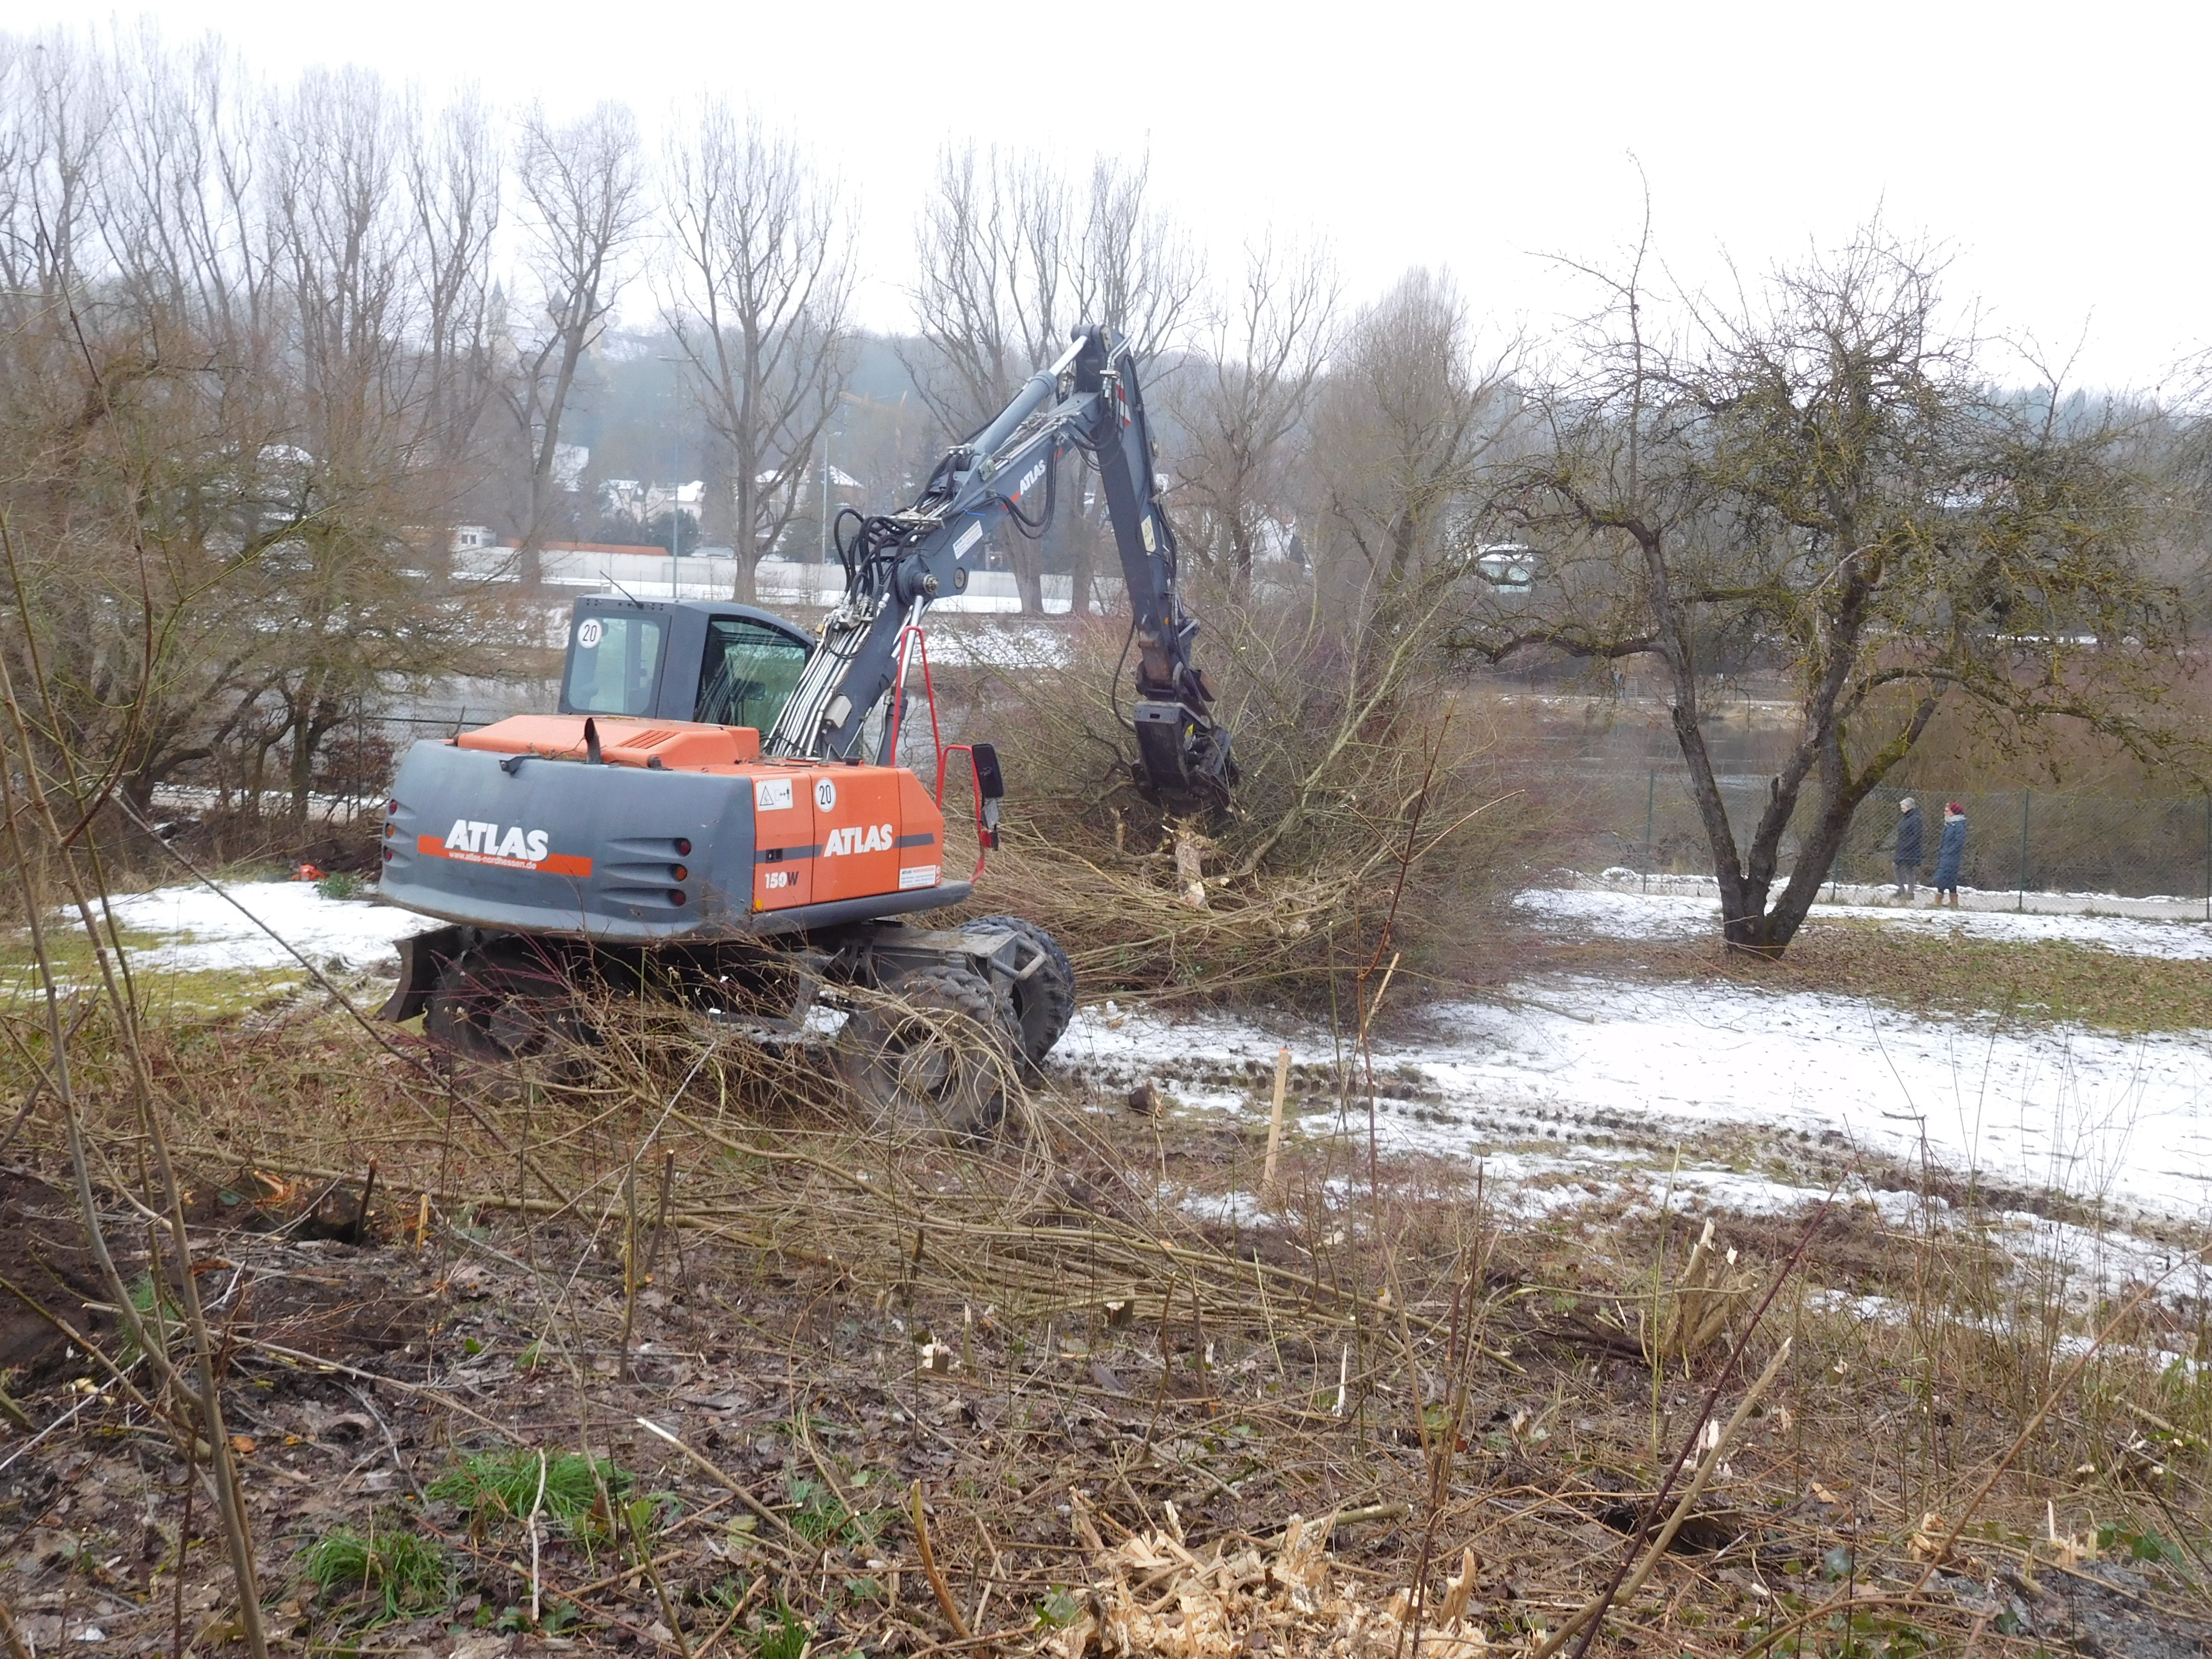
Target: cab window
x: 747, y: 672
x: 614, y: 665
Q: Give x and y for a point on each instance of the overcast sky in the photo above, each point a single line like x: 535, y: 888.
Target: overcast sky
x: 2058, y: 152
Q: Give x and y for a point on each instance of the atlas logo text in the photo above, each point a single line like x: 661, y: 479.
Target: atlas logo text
x: 473, y: 836
x: 875, y: 838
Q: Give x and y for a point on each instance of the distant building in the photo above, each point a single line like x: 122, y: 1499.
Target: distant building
x: 1508, y: 567
x: 569, y: 461
x: 635, y: 498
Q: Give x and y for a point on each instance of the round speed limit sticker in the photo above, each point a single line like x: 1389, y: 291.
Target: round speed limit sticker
x: 589, y: 631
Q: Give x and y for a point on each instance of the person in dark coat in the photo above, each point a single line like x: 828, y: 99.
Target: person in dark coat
x: 1906, y: 856
x: 1950, y: 853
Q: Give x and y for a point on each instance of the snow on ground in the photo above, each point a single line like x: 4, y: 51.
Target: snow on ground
x: 1616, y: 909
x: 1032, y: 645
x: 1579, y: 1078
x: 198, y: 929
x: 2129, y: 1118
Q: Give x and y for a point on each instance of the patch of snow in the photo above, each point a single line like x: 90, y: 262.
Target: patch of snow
x: 1008, y: 645
x: 2127, y: 1119
x: 2157, y: 906
x: 199, y: 929
x: 1608, y: 912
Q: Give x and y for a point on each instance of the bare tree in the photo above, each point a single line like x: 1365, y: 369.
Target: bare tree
x: 1413, y: 404
x: 452, y: 169
x: 992, y: 245
x: 62, y: 107
x: 1012, y: 258
x: 759, y: 301
x: 219, y: 437
x: 1823, y: 483
x: 584, y: 202
x: 1243, y: 402
x: 1137, y: 270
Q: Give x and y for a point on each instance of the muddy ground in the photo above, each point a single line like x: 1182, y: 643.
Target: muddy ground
x: 1465, y: 1395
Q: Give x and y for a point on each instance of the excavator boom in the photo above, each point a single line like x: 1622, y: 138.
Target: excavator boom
x: 899, y: 563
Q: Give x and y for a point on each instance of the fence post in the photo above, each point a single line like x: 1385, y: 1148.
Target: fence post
x: 2025, y: 795
x: 1651, y: 797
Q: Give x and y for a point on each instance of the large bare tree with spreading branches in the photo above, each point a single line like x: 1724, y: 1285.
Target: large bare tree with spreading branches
x: 1823, y: 479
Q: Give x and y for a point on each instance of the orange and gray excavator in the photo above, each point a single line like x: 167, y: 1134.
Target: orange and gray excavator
x: 716, y: 816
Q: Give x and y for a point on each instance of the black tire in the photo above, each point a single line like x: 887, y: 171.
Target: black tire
x: 935, y: 1055
x: 497, y: 1004
x: 1045, y: 1001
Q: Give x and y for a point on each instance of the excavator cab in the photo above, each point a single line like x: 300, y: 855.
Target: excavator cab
x: 724, y: 665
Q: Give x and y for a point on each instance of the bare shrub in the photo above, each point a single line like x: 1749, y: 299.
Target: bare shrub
x: 1375, y: 797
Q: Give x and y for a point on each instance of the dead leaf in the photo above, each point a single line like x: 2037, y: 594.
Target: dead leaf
x: 242, y: 1444
x: 1927, y: 1543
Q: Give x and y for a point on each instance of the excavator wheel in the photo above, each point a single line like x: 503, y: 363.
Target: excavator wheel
x: 500, y: 1003
x: 935, y: 1058
x: 1045, y: 1001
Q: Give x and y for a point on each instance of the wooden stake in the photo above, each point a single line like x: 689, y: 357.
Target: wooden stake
x: 1270, y: 1197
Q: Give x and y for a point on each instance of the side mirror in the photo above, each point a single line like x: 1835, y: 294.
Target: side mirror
x: 990, y: 782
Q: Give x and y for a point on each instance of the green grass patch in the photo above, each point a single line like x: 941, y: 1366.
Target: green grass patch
x: 786, y: 1638
x: 820, y: 1516
x: 2039, y: 981
x: 496, y: 1487
x: 379, y: 1578
x: 2047, y: 981
x: 200, y: 993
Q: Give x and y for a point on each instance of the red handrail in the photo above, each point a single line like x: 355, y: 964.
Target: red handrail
x: 928, y: 690
x: 985, y: 836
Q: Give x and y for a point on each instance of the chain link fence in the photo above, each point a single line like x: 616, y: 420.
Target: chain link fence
x: 2018, y: 841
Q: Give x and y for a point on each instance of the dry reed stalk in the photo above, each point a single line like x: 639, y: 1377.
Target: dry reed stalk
x: 1594, y: 1610
x: 1704, y: 1416
x: 652, y: 1575
x: 937, y: 1587
x: 202, y: 1395
x: 728, y: 1484
x: 1270, y: 1193
x: 531, y: 1523
x: 1705, y: 1292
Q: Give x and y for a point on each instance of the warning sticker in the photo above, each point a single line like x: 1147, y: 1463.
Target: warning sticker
x: 771, y: 794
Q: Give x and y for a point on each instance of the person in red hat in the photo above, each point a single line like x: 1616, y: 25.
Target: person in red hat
x: 1950, y: 853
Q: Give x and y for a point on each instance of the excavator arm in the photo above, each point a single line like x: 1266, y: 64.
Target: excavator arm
x: 897, y: 564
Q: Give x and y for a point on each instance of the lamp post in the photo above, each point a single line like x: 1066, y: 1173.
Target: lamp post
x: 844, y: 399
x: 675, y: 488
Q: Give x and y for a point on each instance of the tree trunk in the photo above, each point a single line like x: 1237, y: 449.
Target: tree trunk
x: 301, y: 772
x: 1081, y: 537
x: 1028, y: 575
